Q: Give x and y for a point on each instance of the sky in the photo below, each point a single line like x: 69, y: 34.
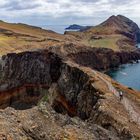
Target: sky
x: 66, y: 12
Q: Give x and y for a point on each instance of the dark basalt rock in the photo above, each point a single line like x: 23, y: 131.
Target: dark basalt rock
x: 72, y: 85
x: 103, y: 59
x: 27, y: 73
x: 69, y: 89
x: 25, y: 76
x: 29, y: 68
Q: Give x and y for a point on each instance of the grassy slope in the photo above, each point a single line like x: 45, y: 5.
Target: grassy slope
x: 21, y: 37
x: 109, y: 38
x: 108, y: 42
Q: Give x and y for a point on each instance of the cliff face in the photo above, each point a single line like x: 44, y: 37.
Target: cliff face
x: 26, y: 74
x: 66, y: 88
x: 97, y: 58
x: 104, y: 59
x: 28, y: 68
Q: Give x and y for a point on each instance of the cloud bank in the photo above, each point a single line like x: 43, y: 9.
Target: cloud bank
x: 66, y: 11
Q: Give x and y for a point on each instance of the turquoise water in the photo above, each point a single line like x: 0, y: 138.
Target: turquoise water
x: 138, y: 45
x: 128, y: 74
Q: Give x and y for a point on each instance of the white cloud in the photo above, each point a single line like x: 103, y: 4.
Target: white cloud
x: 16, y: 10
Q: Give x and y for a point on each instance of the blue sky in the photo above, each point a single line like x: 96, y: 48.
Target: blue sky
x: 62, y: 12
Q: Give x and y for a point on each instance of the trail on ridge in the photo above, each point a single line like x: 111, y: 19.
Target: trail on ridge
x: 133, y: 110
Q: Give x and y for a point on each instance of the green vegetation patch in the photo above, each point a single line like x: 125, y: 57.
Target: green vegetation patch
x: 106, y: 42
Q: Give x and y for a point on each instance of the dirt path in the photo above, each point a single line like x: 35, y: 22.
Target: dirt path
x: 133, y: 110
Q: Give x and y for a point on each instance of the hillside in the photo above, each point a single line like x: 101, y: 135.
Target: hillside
x: 21, y: 37
x: 117, y: 32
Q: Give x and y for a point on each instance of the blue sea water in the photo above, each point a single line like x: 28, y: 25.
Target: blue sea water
x: 138, y: 45
x: 128, y: 74
x: 57, y: 28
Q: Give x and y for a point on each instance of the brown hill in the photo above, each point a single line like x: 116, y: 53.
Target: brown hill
x: 120, y: 25
x: 21, y: 37
x: 117, y: 32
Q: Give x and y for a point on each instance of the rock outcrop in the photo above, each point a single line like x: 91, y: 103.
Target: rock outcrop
x: 104, y: 59
x: 101, y: 59
x: 62, y: 86
x: 26, y: 74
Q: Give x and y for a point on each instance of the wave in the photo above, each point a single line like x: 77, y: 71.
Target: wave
x: 123, y: 73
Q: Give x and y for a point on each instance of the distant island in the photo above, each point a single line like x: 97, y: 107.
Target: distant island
x: 78, y: 27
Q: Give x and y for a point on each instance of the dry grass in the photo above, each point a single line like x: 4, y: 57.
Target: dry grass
x: 21, y: 37
x: 109, y: 38
x: 106, y: 42
x: 102, y: 30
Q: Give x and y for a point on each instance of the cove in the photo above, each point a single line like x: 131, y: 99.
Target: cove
x: 127, y: 74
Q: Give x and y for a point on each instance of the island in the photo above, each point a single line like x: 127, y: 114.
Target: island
x: 77, y: 27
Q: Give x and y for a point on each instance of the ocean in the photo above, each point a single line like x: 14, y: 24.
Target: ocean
x: 128, y: 74
x: 57, y: 28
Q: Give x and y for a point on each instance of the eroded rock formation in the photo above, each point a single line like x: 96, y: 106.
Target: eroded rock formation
x: 65, y: 87
x: 104, y: 59
x: 100, y: 59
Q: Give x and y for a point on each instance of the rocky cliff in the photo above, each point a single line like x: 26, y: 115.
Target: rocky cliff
x: 27, y: 74
x: 104, y: 59
x: 65, y: 87
x: 101, y: 59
